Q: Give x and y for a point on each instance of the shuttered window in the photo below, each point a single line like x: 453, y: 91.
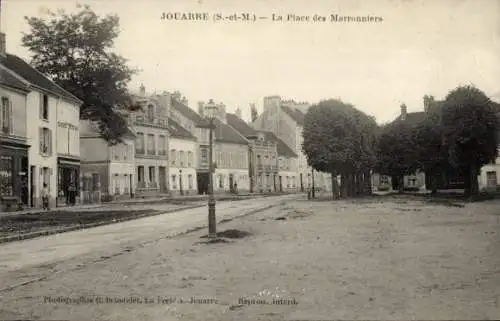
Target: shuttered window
x: 45, y: 141
x: 6, y: 116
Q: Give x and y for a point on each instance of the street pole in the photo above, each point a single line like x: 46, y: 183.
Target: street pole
x: 212, y: 233
x: 313, y: 192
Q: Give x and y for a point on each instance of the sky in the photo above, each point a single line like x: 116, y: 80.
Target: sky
x: 420, y: 47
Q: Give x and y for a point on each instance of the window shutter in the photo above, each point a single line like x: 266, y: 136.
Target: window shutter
x: 50, y: 141
x: 40, y: 105
x: 11, y: 127
x: 41, y: 138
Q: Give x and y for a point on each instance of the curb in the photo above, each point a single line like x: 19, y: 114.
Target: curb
x: 27, y: 236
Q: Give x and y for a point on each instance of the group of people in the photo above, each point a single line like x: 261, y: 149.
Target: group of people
x: 45, y: 195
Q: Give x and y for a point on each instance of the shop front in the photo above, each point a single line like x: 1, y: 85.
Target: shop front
x: 14, y: 170
x: 68, y: 181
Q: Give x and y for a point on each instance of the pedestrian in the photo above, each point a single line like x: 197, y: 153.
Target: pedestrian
x: 235, y: 188
x: 45, y: 197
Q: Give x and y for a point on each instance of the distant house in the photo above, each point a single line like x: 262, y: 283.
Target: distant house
x: 52, y: 132
x: 490, y: 173
x: 108, y: 172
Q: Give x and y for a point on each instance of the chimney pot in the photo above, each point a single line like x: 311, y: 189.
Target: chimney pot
x: 404, y: 111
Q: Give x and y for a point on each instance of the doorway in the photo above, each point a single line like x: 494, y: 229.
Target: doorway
x: 33, y: 185
x: 162, y: 176
x: 202, y: 180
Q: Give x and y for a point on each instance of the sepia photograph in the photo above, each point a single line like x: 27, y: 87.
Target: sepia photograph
x: 274, y: 160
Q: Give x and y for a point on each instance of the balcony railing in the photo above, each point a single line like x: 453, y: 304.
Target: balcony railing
x: 139, y: 151
x: 162, y: 152
x: 151, y: 152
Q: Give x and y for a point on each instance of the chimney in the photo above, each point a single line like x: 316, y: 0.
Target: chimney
x: 222, y: 112
x: 200, y: 108
x: 404, y: 111
x: 142, y: 90
x: 428, y: 102
x: 238, y: 113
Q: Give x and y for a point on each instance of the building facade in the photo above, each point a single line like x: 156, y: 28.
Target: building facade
x: 183, y: 156
x: 285, y: 118
x: 150, y: 126
x: 14, y: 170
x: 263, y: 155
x: 108, y: 172
x: 52, y: 120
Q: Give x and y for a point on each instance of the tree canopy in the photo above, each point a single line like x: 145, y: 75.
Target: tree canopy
x: 75, y: 51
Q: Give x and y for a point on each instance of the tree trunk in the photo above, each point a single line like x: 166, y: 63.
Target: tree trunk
x: 433, y: 181
x: 335, y: 186
x: 474, y: 184
x: 344, y: 185
x: 368, y: 183
x: 401, y: 183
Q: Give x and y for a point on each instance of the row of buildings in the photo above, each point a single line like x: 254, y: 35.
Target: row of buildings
x: 43, y: 142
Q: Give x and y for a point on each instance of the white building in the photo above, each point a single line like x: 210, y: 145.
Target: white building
x: 52, y: 120
x: 108, y: 172
x: 150, y: 127
x: 183, y: 156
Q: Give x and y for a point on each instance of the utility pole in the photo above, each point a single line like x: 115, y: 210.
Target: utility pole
x: 313, y: 188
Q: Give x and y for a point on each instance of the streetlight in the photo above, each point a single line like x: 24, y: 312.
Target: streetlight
x: 210, y: 110
x: 313, y: 188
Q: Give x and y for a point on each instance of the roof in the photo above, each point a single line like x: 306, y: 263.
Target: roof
x: 240, y: 125
x: 283, y: 149
x: 177, y: 131
x: 224, y: 133
x: 8, y: 79
x: 36, y: 78
x: 413, y: 118
x: 90, y: 129
x: 295, y: 114
x: 185, y: 111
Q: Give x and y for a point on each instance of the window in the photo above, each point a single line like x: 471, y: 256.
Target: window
x: 151, y: 144
x: 491, y: 179
x: 190, y: 181
x: 45, y: 141
x: 6, y: 182
x: 140, y: 174
x: 174, y: 182
x: 293, y: 181
x: 204, y: 156
x: 139, y: 148
x: 259, y: 160
x: 6, y: 116
x: 152, y: 177
x: 190, y: 158
x: 162, y: 148
x: 181, y: 158
x: 384, y: 180
x: 116, y: 151
x: 173, y: 156
x: 221, y: 181
x: 44, y: 107
x: 151, y: 113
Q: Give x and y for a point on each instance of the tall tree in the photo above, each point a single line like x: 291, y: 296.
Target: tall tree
x: 397, y: 151
x: 75, y: 50
x: 470, y: 132
x: 337, y: 140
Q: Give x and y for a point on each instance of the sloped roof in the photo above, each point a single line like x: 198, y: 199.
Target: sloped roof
x: 283, y: 149
x: 295, y: 114
x: 9, y: 80
x: 185, y: 111
x: 90, y: 129
x: 33, y: 76
x: 224, y: 133
x: 412, y: 118
x: 240, y: 125
x: 177, y: 131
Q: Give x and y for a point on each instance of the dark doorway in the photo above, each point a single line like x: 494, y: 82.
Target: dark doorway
x: 301, y: 183
x: 24, y: 180
x: 231, y: 182
x: 202, y: 180
x: 33, y: 185
x: 281, y: 184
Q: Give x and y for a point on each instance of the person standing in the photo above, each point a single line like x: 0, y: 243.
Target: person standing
x: 45, y: 197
